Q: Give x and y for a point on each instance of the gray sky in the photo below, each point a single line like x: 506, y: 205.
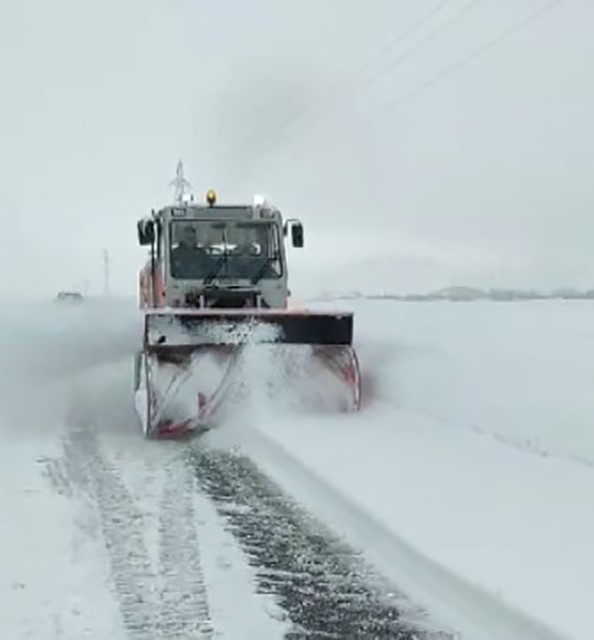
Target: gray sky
x: 483, y: 178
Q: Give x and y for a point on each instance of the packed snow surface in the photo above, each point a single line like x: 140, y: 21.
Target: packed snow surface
x: 474, y: 450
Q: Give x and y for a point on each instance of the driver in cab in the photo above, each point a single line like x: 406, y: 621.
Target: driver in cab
x: 187, y: 258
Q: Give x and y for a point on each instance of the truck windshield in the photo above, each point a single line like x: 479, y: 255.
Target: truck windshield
x: 224, y: 249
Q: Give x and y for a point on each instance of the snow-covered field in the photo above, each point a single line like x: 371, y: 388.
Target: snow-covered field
x: 467, y: 479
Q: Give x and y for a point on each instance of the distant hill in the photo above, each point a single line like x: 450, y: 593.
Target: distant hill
x: 463, y: 293
x: 459, y: 293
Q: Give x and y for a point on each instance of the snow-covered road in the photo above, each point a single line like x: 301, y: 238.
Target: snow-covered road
x: 465, y: 485
x: 476, y: 450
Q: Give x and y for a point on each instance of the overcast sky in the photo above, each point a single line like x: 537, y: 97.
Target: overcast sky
x: 329, y: 108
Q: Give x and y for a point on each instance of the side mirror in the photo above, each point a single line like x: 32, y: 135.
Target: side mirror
x: 297, y: 235
x: 146, y: 232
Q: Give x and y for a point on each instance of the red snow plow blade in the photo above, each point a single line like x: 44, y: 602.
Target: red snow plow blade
x: 192, y: 359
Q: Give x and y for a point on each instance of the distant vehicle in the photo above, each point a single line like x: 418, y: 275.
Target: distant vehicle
x: 69, y: 296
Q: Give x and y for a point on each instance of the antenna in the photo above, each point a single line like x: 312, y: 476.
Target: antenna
x: 179, y: 183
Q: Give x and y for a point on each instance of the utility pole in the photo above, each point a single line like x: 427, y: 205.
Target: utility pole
x: 179, y: 183
x: 105, y: 273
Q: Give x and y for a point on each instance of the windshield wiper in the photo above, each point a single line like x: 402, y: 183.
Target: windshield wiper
x: 216, y: 268
x: 219, y: 263
x: 262, y: 268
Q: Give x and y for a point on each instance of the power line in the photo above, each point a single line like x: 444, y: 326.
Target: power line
x: 450, y: 70
x: 407, y: 54
x: 256, y: 142
x: 403, y: 35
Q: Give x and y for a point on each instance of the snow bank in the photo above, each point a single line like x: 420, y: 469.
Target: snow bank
x: 517, y: 372
x: 474, y: 447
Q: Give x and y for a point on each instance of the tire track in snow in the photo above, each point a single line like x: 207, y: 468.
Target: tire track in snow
x: 184, y: 612
x: 123, y: 530
x: 170, y: 602
x: 325, y: 589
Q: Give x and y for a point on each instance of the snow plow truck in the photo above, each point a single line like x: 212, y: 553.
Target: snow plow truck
x: 215, y: 287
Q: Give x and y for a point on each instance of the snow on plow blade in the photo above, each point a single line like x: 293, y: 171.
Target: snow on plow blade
x: 192, y: 358
x: 205, y: 327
